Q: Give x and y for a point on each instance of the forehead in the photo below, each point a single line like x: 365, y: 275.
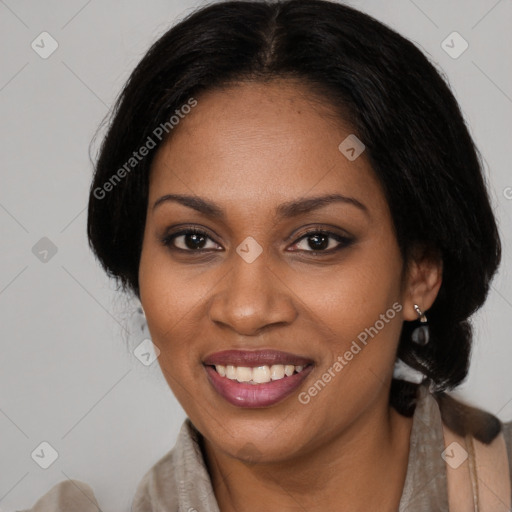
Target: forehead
x: 260, y: 143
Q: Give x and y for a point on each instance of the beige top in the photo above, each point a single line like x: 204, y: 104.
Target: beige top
x: 179, y: 481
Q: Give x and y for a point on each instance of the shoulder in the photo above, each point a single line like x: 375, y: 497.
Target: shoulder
x: 177, y: 476
x: 463, y: 419
x: 158, y: 486
x: 65, y: 496
x: 492, y: 437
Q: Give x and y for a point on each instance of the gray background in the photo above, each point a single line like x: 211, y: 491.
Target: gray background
x: 67, y: 374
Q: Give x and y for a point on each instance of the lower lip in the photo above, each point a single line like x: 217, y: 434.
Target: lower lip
x: 242, y: 394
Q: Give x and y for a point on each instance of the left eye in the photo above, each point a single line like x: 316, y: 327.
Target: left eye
x: 323, y: 241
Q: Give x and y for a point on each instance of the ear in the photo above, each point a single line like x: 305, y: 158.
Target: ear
x: 422, y: 281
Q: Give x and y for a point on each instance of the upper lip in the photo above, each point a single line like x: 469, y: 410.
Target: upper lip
x: 253, y: 358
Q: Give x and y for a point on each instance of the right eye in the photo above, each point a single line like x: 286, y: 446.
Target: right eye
x: 189, y: 240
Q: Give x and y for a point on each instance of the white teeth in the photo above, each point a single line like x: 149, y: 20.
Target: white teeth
x: 259, y: 374
x: 231, y: 372
x: 276, y: 371
x: 288, y: 370
x: 243, y: 374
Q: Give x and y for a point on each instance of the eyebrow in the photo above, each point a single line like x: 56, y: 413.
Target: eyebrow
x: 284, y: 210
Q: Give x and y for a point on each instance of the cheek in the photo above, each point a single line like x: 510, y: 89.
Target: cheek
x: 358, y: 308
x: 167, y: 299
x: 169, y: 293
x: 353, y: 295
x: 170, y: 299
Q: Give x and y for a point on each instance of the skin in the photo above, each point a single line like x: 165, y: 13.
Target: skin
x: 250, y: 147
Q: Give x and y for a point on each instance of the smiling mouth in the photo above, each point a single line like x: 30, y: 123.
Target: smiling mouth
x: 256, y: 378
x: 251, y: 394
x: 258, y: 374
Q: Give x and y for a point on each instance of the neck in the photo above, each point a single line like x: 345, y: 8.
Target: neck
x: 336, y: 474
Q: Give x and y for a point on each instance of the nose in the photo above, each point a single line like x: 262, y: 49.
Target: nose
x: 252, y: 298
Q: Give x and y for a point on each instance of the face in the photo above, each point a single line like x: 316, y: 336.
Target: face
x: 253, y: 277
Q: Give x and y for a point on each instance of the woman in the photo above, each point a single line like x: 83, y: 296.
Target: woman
x: 291, y: 192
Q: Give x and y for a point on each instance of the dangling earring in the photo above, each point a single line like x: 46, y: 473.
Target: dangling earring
x: 421, y: 335
x: 140, y: 319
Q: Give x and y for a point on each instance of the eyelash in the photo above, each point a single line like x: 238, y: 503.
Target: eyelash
x: 343, y: 240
